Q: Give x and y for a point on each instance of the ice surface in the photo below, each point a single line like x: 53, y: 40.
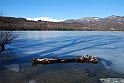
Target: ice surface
x: 107, y: 45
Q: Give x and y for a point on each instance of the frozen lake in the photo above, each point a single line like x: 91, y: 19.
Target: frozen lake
x: 39, y: 44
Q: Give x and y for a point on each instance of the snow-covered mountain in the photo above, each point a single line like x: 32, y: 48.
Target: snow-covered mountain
x: 108, y: 23
x: 112, y: 18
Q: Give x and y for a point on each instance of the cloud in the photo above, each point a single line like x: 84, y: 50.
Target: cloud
x: 44, y: 19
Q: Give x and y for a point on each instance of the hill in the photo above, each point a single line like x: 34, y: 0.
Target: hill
x: 111, y: 23
x: 11, y: 23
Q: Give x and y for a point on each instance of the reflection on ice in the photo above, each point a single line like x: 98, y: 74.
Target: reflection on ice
x: 118, y: 65
x: 107, y: 65
x: 104, y: 63
x: 13, y: 67
x: 8, y: 59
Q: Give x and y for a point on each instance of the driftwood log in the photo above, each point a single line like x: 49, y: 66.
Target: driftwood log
x: 83, y: 59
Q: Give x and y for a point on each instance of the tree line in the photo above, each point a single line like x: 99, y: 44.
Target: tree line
x: 11, y: 23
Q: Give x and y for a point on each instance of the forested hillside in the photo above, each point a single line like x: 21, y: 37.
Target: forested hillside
x: 12, y: 23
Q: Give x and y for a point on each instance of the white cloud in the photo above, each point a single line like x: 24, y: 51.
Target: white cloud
x: 44, y: 19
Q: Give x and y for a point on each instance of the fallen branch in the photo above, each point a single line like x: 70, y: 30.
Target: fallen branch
x: 85, y: 58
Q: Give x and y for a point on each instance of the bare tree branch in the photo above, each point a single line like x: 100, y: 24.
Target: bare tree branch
x: 6, y: 37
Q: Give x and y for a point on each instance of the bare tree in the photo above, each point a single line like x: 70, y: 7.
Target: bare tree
x: 6, y: 37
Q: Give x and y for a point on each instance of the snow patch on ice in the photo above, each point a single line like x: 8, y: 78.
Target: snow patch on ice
x: 13, y: 67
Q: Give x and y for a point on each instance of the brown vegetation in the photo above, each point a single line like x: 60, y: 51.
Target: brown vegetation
x: 11, y: 23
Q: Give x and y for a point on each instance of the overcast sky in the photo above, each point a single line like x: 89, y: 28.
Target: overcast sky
x: 61, y: 9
